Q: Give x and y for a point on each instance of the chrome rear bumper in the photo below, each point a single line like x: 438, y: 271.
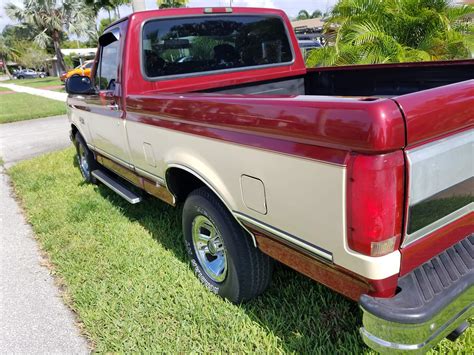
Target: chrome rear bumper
x: 434, y: 300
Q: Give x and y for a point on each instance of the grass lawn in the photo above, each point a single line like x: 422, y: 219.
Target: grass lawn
x: 38, y: 82
x: 126, y: 275
x: 4, y: 89
x: 20, y: 106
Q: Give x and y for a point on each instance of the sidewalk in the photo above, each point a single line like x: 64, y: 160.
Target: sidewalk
x: 59, y: 96
x: 33, y: 317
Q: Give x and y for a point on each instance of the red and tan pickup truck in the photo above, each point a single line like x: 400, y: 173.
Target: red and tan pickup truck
x: 360, y: 177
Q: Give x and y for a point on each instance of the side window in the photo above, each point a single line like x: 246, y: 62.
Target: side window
x: 106, y: 74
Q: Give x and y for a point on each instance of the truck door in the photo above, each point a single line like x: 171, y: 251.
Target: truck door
x: 106, y: 120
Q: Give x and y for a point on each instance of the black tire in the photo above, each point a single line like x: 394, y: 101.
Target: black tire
x: 85, y: 159
x: 41, y: 76
x: 248, y: 272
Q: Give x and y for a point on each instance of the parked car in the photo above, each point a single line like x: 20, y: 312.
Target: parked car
x: 84, y: 69
x: 359, y: 177
x: 307, y: 45
x: 28, y: 74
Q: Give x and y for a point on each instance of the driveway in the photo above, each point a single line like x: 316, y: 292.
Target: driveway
x: 33, y: 317
x: 26, y: 139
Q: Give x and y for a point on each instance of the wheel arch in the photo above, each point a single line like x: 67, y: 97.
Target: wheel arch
x: 181, y: 180
x: 74, y: 130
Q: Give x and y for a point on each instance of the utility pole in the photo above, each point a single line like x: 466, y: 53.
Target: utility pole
x: 138, y: 5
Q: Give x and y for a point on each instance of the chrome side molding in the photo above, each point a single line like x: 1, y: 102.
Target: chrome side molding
x: 320, y: 252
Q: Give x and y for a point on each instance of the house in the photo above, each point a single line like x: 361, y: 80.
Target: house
x: 78, y: 55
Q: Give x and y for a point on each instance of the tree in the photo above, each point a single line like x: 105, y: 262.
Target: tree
x: 7, y: 52
x: 108, y: 5
x: 33, y: 57
x: 50, y: 20
x: 376, y: 31
x: 104, y: 23
x: 304, y: 15
x: 166, y: 4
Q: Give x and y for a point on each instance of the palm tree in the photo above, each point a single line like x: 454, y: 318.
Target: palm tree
x: 51, y: 20
x: 108, y: 5
x: 304, y: 15
x: 7, y: 52
x: 166, y: 4
x: 375, y: 31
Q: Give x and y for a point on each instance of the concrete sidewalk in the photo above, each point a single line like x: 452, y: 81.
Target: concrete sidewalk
x: 33, y: 317
x: 59, y: 96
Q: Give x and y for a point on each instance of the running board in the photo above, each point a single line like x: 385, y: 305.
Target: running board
x: 116, y: 187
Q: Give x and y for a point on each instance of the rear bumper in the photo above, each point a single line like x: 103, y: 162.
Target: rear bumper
x: 434, y: 299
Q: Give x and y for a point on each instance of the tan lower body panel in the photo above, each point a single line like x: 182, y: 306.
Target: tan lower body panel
x: 305, y: 199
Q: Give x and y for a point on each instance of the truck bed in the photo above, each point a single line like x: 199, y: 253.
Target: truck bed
x: 384, y: 80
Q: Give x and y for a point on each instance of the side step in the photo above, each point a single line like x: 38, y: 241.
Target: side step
x: 116, y: 186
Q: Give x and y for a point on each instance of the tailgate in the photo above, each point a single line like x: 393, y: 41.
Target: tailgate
x: 436, y: 112
x: 440, y: 158
x: 440, y: 184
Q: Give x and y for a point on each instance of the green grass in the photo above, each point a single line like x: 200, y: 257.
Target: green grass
x: 38, y: 82
x: 4, y: 89
x: 126, y: 275
x: 19, y: 107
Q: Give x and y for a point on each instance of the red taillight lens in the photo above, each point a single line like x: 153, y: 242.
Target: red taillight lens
x: 375, y: 202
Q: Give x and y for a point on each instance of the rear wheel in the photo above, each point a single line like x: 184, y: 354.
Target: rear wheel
x: 85, y: 159
x: 222, y: 253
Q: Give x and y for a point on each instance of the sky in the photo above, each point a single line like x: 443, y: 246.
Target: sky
x: 291, y: 7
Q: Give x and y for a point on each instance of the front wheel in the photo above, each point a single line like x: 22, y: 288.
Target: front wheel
x: 222, y: 253
x: 85, y: 159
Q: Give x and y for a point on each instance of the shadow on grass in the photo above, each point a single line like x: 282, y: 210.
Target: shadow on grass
x: 304, y: 315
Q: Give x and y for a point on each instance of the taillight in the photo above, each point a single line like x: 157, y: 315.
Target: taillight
x: 375, y: 202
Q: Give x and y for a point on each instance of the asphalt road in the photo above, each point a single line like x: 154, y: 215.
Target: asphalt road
x: 33, y: 317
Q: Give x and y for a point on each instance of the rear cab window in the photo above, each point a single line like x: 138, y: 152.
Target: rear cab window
x: 192, y: 45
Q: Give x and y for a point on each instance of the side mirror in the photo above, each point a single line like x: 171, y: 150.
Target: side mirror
x: 79, y: 85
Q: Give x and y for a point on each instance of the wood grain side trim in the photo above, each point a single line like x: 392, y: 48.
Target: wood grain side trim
x: 315, y: 269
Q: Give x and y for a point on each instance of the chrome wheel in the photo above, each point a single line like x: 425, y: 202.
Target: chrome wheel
x: 209, y: 248
x: 82, y: 160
